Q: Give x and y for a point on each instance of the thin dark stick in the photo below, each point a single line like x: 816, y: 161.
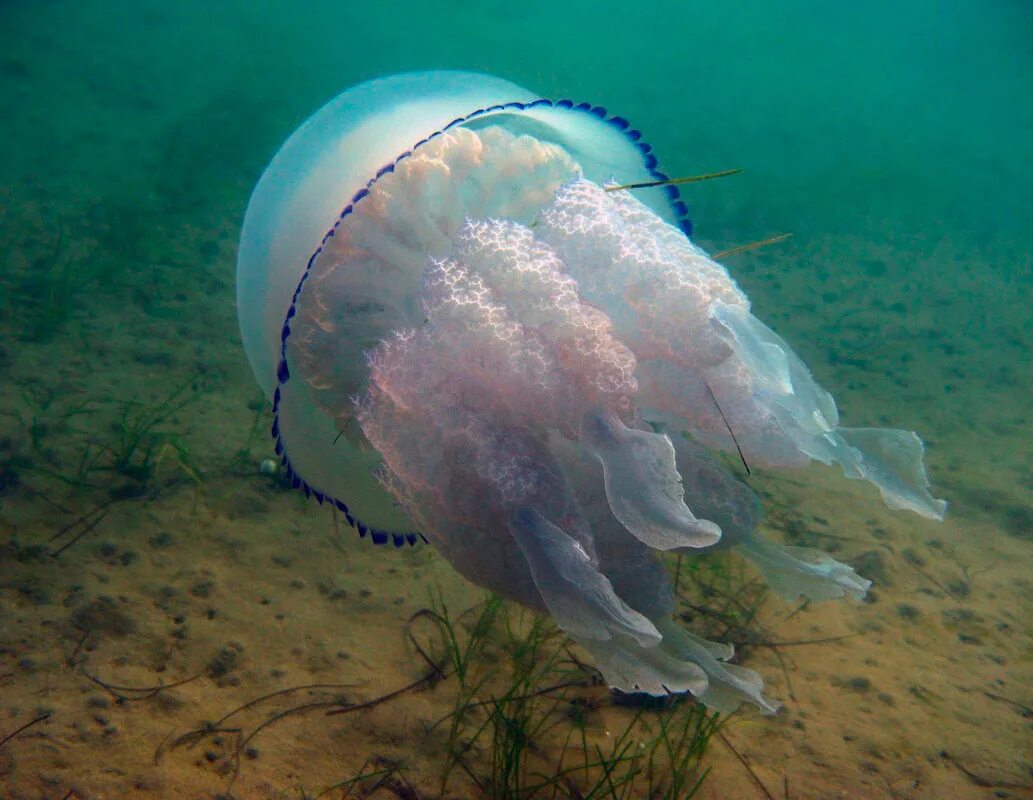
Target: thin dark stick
x: 42, y: 496
x: 161, y: 748
x: 729, y: 427
x: 785, y: 672
x: 1026, y: 711
x: 978, y: 779
x: 734, y: 251
x: 796, y: 611
x: 252, y: 703
x: 797, y: 642
x: 70, y: 661
x: 24, y: 727
x: 80, y: 519
x: 746, y: 764
x: 433, y: 617
x: 193, y: 737
x: 93, y: 524
x: 146, y: 691
x: 433, y: 674
x: 242, y: 743
x: 283, y: 715
x: 932, y: 580
x: 675, y: 181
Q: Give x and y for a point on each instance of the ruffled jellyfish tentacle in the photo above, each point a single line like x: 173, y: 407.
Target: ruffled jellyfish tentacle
x: 578, y: 596
x: 654, y: 670
x: 793, y: 571
x: 893, y: 461
x: 716, y: 492
x: 681, y: 662
x: 789, y: 571
x: 806, y: 414
x: 728, y: 685
x: 643, y: 486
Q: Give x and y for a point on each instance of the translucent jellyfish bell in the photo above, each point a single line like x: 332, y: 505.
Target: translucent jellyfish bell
x: 469, y: 338
x: 323, y: 172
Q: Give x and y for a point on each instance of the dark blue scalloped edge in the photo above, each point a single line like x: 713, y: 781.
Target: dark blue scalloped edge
x: 399, y: 539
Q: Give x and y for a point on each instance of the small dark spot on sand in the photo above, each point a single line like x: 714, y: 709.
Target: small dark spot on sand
x: 1018, y: 522
x: 161, y: 358
x: 908, y: 612
x: 955, y: 616
x: 34, y: 592
x: 959, y: 588
x: 225, y: 660
x: 102, y: 615
x: 912, y: 557
x: 33, y: 553
x: 872, y: 566
x: 168, y: 701
x: 202, y: 589
x: 858, y: 684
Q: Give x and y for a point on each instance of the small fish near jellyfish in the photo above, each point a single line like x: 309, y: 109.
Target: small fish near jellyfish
x: 470, y: 339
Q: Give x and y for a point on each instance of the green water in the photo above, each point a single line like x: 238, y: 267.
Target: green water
x: 894, y: 140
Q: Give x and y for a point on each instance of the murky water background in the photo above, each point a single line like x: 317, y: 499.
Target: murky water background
x: 893, y: 140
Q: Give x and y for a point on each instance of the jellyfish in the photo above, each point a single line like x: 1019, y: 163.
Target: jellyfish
x: 473, y: 338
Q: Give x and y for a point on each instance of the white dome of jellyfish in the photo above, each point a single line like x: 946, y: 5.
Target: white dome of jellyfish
x: 469, y: 340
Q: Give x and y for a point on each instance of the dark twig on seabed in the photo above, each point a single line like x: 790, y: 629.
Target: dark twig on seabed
x: 23, y: 728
